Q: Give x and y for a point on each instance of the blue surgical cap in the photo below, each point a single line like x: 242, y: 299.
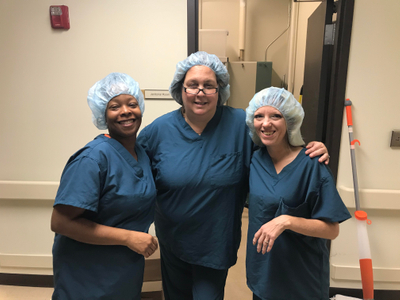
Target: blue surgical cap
x: 107, y: 88
x: 201, y: 58
x: 283, y: 101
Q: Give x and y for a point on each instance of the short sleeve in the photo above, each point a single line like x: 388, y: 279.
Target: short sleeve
x: 329, y: 206
x: 80, y: 184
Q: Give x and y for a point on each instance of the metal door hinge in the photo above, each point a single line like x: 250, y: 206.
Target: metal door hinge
x: 330, y: 34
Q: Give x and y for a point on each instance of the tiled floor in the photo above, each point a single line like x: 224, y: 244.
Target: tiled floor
x: 236, y: 288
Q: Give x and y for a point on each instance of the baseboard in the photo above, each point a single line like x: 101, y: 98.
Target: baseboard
x: 357, y: 293
x: 47, y: 282
x: 26, y: 280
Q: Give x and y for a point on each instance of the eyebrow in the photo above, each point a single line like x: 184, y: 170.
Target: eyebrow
x: 205, y: 82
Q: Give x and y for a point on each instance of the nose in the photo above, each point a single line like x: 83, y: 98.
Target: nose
x: 266, y: 122
x: 125, y: 110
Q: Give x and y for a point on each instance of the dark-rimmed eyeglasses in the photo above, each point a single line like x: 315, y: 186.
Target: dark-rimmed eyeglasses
x: 206, y: 91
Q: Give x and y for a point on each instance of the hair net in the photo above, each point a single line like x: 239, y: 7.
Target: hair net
x: 283, y: 101
x: 204, y: 59
x: 107, y: 88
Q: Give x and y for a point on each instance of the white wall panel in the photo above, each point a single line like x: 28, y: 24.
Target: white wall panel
x: 373, y: 77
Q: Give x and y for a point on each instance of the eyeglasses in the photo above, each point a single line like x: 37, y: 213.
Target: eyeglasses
x: 206, y: 91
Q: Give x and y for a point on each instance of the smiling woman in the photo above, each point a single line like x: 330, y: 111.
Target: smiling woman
x: 290, y: 222
x: 199, y: 106
x: 100, y: 245
x: 270, y: 125
x: 123, y: 118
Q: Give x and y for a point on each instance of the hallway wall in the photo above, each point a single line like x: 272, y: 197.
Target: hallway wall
x: 44, y: 118
x: 373, y: 76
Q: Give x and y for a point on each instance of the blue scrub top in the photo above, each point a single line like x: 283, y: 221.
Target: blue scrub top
x: 115, y: 190
x: 297, y: 267
x: 202, y: 184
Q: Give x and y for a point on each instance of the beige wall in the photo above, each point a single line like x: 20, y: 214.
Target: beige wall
x: 44, y: 77
x: 373, y: 76
x: 265, y: 21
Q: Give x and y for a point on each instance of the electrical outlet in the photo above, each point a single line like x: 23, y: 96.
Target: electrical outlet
x: 395, y: 141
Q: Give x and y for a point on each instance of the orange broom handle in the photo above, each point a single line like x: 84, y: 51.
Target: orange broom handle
x: 347, y: 103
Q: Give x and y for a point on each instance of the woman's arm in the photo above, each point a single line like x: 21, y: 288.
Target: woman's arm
x: 67, y: 220
x: 318, y: 148
x: 269, y: 232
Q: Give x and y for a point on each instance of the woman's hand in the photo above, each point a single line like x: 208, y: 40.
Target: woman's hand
x: 142, y: 243
x: 267, y: 234
x: 318, y: 148
x: 68, y: 221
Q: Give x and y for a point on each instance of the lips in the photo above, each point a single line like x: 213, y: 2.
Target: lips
x: 126, y: 122
x: 200, y: 103
x: 267, y: 133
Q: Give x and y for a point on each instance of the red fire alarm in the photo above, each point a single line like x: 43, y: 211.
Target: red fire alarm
x: 59, y: 17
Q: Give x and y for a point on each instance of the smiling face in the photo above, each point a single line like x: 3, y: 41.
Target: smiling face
x: 200, y: 104
x: 123, y: 117
x: 270, y: 126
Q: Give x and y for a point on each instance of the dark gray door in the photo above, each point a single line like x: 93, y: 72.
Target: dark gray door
x: 317, y: 73
x: 325, y: 74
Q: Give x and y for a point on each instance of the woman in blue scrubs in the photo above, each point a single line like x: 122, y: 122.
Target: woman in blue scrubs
x: 105, y: 202
x: 200, y: 158
x: 294, y: 207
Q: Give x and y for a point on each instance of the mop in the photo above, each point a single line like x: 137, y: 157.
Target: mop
x: 361, y: 219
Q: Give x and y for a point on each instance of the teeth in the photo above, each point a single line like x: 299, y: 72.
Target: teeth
x: 268, y: 133
x: 126, y: 122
